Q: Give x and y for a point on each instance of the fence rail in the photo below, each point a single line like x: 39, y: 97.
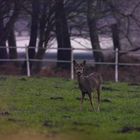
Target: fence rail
x: 116, y: 63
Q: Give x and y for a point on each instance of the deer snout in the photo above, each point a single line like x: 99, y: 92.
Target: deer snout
x: 79, y: 73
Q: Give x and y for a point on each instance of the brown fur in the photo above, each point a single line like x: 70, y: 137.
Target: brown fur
x: 88, y: 84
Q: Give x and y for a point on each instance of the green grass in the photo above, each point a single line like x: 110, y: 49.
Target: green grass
x: 26, y: 105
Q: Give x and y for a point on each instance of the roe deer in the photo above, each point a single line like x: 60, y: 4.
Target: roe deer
x: 87, y: 83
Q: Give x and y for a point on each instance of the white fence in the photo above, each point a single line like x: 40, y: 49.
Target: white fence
x: 116, y: 63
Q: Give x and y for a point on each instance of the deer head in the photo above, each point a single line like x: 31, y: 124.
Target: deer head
x: 79, y: 67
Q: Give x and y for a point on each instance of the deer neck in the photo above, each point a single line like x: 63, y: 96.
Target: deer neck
x: 80, y: 79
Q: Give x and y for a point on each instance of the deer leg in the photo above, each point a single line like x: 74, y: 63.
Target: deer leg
x: 82, y: 99
x: 98, y: 94
x: 90, y: 99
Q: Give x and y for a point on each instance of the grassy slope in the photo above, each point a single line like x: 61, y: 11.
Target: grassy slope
x: 26, y: 105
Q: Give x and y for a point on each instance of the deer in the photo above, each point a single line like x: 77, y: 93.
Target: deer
x: 87, y: 84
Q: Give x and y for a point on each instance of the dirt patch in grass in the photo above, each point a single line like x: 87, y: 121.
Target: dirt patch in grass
x: 129, y: 129
x: 15, y: 120
x: 81, y: 123
x: 57, y: 98
x: 6, y: 113
x: 26, y: 136
x: 66, y: 116
x: 134, y: 84
x: 109, y: 89
x: 22, y: 137
x: 133, y: 91
x: 49, y: 124
x: 50, y: 136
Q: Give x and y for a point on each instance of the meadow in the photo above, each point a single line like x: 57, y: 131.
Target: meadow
x: 49, y: 108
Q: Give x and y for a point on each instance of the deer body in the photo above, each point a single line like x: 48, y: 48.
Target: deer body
x: 88, y: 84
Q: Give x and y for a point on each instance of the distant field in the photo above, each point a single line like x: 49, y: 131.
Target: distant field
x: 48, y: 108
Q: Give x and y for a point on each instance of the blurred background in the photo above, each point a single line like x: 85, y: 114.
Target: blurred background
x: 43, y: 37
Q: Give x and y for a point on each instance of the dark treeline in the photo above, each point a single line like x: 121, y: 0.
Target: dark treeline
x: 63, y: 19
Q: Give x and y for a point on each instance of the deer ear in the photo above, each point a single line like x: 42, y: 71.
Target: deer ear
x: 74, y: 62
x: 84, y: 62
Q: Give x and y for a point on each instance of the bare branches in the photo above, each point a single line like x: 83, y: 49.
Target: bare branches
x: 126, y: 19
x: 135, y: 7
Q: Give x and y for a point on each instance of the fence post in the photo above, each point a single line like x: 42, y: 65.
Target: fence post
x: 72, y: 71
x: 27, y: 62
x: 116, y: 64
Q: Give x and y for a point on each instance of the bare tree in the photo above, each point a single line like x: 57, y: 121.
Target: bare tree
x: 92, y: 15
x: 34, y: 28
x: 12, y: 45
x: 33, y: 32
x: 127, y: 25
x: 3, y: 51
x: 62, y: 35
x: 46, y: 27
x: 8, y: 15
x: 42, y: 24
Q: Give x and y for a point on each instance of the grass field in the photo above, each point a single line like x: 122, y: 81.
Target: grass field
x: 48, y: 109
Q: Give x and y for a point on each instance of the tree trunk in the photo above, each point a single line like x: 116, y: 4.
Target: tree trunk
x: 91, y: 17
x: 116, y: 40
x: 62, y: 35
x: 34, y: 28
x: 3, y: 50
x: 46, y: 26
x: 37, y: 65
x: 33, y: 34
x: 9, y: 25
x: 5, y: 30
x: 115, y: 36
x: 41, y: 49
x: 12, y: 46
x: 12, y: 43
